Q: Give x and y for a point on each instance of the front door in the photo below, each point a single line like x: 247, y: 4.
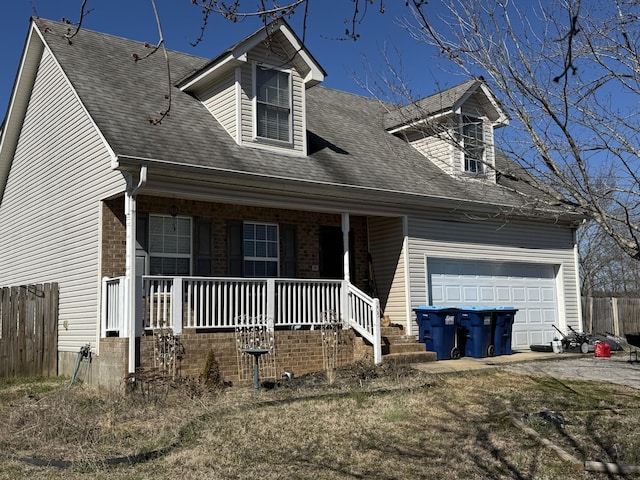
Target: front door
x: 331, y: 253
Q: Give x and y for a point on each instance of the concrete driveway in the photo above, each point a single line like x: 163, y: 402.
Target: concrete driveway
x: 616, y: 369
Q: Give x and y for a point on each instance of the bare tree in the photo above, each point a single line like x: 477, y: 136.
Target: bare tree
x: 568, y: 76
x: 604, y: 268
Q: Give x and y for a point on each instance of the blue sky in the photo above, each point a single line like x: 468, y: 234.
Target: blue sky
x: 343, y: 60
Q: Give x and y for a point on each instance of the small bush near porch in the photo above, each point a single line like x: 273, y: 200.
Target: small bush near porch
x: 377, y: 422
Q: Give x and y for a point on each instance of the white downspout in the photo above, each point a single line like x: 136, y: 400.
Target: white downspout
x: 130, y: 261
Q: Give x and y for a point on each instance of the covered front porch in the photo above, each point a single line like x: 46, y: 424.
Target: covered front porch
x: 204, y: 268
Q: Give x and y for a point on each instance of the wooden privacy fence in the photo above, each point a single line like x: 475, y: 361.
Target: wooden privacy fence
x: 29, y: 330
x: 615, y: 315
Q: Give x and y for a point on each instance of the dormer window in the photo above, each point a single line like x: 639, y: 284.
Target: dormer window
x: 473, y: 145
x: 273, y: 104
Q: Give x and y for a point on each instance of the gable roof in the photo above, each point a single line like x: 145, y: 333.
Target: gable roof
x: 349, y: 151
x: 237, y: 54
x: 445, y: 102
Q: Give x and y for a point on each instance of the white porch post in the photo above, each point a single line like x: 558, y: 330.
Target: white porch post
x: 130, y: 274
x: 131, y: 212
x: 345, y: 245
x: 407, y: 276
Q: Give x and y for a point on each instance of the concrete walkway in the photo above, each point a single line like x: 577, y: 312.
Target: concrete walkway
x: 575, y: 366
x: 470, y: 363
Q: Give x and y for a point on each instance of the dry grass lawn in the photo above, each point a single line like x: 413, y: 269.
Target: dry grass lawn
x: 370, y: 423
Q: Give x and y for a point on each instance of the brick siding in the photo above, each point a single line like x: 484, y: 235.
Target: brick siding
x: 297, y: 351
x: 307, y: 232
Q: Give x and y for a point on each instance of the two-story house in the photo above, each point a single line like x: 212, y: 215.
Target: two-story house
x: 261, y: 193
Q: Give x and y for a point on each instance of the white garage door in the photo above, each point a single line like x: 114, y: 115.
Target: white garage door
x: 531, y: 288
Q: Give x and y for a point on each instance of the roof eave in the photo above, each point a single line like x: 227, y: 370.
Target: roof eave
x: 18, y: 102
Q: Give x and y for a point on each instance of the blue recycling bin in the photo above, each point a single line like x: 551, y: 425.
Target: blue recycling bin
x: 504, y: 318
x: 479, y: 326
x: 437, y: 330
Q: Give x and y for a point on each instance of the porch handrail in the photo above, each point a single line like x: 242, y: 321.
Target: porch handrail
x: 364, y: 317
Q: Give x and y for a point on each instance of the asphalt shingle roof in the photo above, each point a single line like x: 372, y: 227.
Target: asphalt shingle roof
x: 347, y: 141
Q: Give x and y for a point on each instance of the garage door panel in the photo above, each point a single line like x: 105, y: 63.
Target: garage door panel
x: 548, y: 294
x: 529, y: 288
x: 519, y: 338
x: 518, y: 295
x: 549, y: 316
x: 503, y: 295
x: 487, y: 294
x: 452, y: 294
x: 535, y: 337
x: 534, y: 316
x: 470, y: 294
x: 533, y: 294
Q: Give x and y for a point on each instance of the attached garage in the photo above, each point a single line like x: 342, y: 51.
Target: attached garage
x: 529, y: 287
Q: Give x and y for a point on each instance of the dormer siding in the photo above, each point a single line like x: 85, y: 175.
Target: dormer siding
x: 438, y: 150
x: 220, y: 100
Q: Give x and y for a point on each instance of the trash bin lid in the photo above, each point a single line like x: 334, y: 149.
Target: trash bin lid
x: 432, y: 308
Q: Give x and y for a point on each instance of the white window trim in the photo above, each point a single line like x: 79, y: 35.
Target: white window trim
x: 482, y: 163
x: 254, y: 102
x: 275, y: 259
x: 151, y: 254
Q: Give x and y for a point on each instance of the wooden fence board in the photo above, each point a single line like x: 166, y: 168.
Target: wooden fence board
x: 598, y: 315
x: 28, y: 326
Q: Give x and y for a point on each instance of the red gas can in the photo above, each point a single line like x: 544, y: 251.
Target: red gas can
x: 602, y: 349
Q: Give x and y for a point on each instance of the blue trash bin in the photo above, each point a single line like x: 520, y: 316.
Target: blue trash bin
x: 504, y: 318
x: 437, y: 330
x: 479, y: 325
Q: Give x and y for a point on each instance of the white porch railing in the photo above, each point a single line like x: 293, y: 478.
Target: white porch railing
x: 215, y: 303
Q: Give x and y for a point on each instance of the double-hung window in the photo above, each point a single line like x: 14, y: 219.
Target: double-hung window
x: 273, y: 104
x: 169, y: 245
x: 260, y: 245
x: 473, y: 144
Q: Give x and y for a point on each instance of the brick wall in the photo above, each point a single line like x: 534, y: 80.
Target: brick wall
x: 307, y: 232
x: 297, y: 351
x: 113, y: 238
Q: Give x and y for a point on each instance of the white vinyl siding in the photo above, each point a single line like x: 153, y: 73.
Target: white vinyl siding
x: 436, y: 149
x: 387, y: 255
x: 49, y: 217
x: 220, y: 100
x: 540, y: 244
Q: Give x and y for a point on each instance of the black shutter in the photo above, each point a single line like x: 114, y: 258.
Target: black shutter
x: 203, y: 248
x: 288, y: 264
x: 235, y: 252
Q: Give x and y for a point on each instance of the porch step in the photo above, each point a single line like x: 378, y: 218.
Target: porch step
x: 412, y: 357
x: 400, y: 348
